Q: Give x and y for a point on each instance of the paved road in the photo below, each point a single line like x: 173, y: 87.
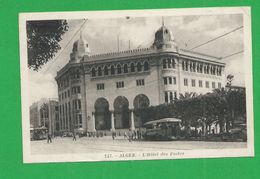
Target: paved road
x: 105, y: 144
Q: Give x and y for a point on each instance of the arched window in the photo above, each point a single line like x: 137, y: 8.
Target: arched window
x: 125, y: 68
x: 132, y: 66
x: 146, y: 66
x: 191, y: 66
x: 139, y: 66
x: 186, y: 66
x: 173, y: 63
x: 169, y: 63
x: 93, y: 72
x: 99, y: 71
x: 119, y: 70
x: 164, y: 63
x: 77, y: 74
x: 106, y: 70
x: 112, y: 69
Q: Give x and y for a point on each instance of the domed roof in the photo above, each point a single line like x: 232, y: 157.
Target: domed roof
x: 163, y: 34
x: 81, y: 46
x: 79, y: 50
x: 163, y: 39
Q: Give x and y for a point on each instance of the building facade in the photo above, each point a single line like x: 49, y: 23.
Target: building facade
x: 102, y: 91
x: 44, y: 113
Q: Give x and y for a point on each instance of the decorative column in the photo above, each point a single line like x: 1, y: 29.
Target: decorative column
x: 93, y: 127
x: 132, y: 120
x: 112, y: 121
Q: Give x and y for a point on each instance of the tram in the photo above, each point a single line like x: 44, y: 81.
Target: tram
x: 39, y: 133
x: 163, y: 129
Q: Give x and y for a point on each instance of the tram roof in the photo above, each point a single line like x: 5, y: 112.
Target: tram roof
x: 164, y: 120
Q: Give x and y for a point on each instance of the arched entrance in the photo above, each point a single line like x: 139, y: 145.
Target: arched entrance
x: 102, y: 114
x: 121, y: 112
x: 140, y: 101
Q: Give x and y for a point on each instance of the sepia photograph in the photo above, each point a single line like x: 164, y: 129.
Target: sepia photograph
x: 136, y: 84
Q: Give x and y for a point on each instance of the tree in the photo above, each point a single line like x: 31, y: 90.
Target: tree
x: 43, y: 39
x: 230, y: 78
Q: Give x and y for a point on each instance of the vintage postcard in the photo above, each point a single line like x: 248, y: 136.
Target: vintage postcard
x: 136, y: 84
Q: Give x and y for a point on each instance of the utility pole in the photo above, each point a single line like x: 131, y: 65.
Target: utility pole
x: 117, y: 42
x: 129, y: 44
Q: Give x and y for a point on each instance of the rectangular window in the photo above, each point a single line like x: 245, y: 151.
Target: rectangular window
x: 166, y: 97
x: 77, y: 104
x: 75, y: 90
x: 80, y: 120
x: 171, y: 97
x: 68, y: 93
x: 175, y: 95
x: 213, y: 85
x: 100, y: 86
x: 185, y: 82
x: 165, y: 80
x: 193, y: 83
x: 174, y: 80
x: 200, y: 83
x: 170, y: 80
x: 219, y: 85
x: 120, y: 84
x: 207, y: 84
x: 140, y: 82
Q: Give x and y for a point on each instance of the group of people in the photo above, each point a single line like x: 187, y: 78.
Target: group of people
x: 49, y: 137
x: 130, y: 135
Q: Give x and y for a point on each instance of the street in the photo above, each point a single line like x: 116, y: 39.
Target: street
x: 106, y: 144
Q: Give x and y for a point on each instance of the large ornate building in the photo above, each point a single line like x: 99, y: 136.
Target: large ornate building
x: 101, y: 91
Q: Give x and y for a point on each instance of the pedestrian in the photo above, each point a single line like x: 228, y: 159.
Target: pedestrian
x: 135, y: 135
x: 125, y: 135
x: 130, y: 135
x: 49, y: 138
x: 113, y: 135
x: 138, y: 134
x: 74, y: 136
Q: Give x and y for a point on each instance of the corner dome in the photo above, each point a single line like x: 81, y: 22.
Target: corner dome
x: 81, y: 46
x: 80, y: 49
x: 164, y: 39
x: 164, y: 34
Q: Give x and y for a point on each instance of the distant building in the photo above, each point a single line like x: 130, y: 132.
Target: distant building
x: 44, y: 113
x: 101, y: 91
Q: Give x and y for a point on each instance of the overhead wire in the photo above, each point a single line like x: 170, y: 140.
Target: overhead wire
x: 211, y: 40
x: 65, y: 47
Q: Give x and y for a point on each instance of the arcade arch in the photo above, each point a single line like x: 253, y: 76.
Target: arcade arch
x: 121, y: 113
x: 140, y: 101
x: 102, y: 114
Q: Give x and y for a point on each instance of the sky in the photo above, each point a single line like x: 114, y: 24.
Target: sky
x: 102, y: 35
